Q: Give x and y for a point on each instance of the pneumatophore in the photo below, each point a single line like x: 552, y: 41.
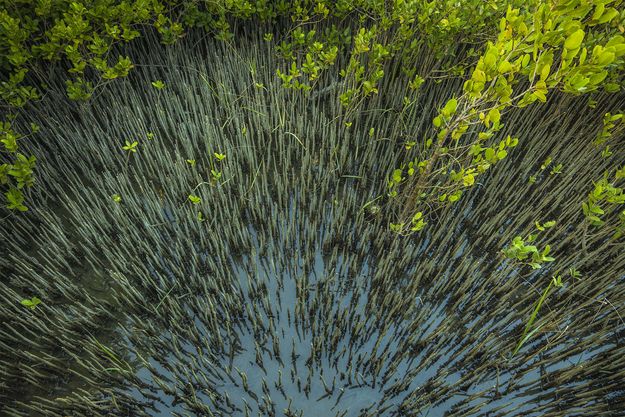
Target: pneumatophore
x: 267, y: 282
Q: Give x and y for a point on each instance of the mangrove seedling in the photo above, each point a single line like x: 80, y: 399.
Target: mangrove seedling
x: 31, y: 303
x: 158, y: 84
x: 130, y: 147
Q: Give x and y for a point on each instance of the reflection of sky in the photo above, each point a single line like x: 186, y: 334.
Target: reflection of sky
x: 276, y: 283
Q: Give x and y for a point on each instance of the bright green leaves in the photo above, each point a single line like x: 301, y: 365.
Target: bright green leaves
x: 606, y: 201
x: 603, y: 56
x: 504, y: 67
x: 489, y: 60
x: 51, y: 31
x: 603, y: 15
x: 592, y: 211
x: 120, y: 69
x: 365, y: 66
x: 130, y: 147
x: 31, y: 303
x: 551, y: 48
x: 22, y: 170
x: 17, y: 174
x: 310, y: 67
x: 158, y: 84
x: 417, y: 222
x: 79, y: 89
x: 171, y: 30
x: 15, y: 200
x: 545, y: 226
x: 194, y: 199
x: 494, y: 116
x: 574, y: 40
x: 362, y: 41
x: 219, y: 156
x: 524, y: 251
x: 116, y: 198
x: 485, y: 157
x: 289, y: 80
x: 4, y: 174
x: 520, y: 250
x: 468, y: 179
x: 308, y: 57
x: 8, y: 137
x: 416, y: 83
x: 539, y: 174
x: 397, y: 176
x: 540, y: 91
x: 216, y: 175
x: 448, y: 110
x: 450, y: 107
x: 455, y: 196
x: 396, y: 179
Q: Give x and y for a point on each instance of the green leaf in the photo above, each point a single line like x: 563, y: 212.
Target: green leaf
x: 455, y: 196
x: 32, y: 303
x: 504, y: 67
x: 15, y: 199
x: 397, y: 176
x: 574, y: 40
x: 606, y: 58
x: 540, y: 95
x: 130, y: 147
x: 450, y: 107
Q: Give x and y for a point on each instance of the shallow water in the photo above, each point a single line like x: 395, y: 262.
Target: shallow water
x: 288, y: 278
